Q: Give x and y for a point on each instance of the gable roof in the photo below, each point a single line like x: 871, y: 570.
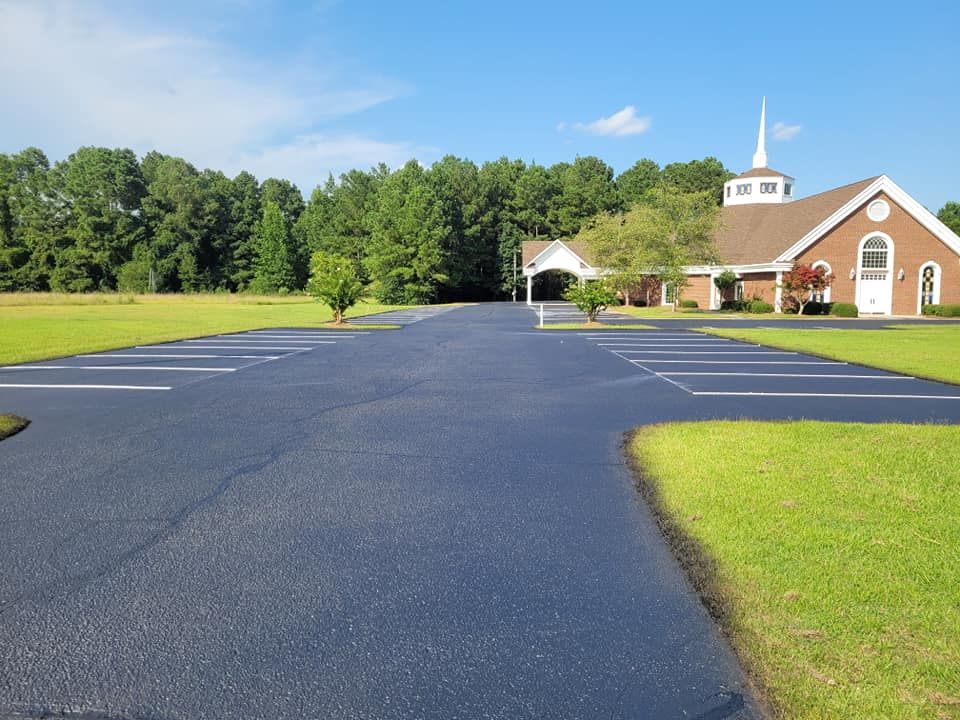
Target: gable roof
x: 751, y: 234
x: 532, y: 249
x: 887, y: 186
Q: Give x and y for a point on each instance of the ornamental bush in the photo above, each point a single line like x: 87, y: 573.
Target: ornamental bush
x: 759, y: 307
x: 689, y: 304
x: 591, y: 298
x: 844, y: 310
x: 734, y: 305
x: 942, y: 310
x: 333, y: 281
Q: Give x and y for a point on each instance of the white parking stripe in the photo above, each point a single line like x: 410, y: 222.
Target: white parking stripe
x: 161, y: 368
x: 299, y: 338
x: 740, y: 362
x: 796, y: 375
x: 180, y: 355
x: 85, y: 387
x: 663, y: 345
x: 838, y: 395
x: 265, y: 342
x: 218, y: 347
x: 707, y: 352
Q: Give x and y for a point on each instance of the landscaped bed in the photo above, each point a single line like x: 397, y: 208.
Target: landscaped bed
x: 47, y: 325
x: 11, y: 425
x: 927, y: 351
x: 595, y: 326
x: 827, y: 551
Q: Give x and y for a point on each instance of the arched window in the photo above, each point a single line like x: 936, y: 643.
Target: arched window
x: 824, y: 296
x: 929, y: 285
x: 874, y: 254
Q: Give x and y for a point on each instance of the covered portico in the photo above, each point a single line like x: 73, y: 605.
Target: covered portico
x: 541, y: 256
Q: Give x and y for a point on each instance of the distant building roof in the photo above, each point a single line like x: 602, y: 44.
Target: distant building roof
x: 761, y: 172
x: 532, y: 248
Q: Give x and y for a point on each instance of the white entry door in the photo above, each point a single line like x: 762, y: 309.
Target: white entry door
x: 874, y: 292
x: 875, y: 275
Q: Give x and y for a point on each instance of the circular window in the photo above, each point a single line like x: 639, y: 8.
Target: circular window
x: 878, y: 210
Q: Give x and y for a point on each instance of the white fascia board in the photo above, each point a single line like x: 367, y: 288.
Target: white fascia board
x: 739, y: 269
x: 898, y: 195
x: 550, y: 247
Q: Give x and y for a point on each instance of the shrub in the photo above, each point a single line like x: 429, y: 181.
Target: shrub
x: 813, y: 308
x: 759, y: 307
x: 942, y: 310
x: 591, y: 298
x: 689, y: 304
x: 844, y: 310
x: 333, y: 281
x: 639, y: 303
x: 734, y: 305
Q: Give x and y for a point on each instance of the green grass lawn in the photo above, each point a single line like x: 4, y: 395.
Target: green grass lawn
x: 830, y: 553
x: 43, y: 326
x: 929, y: 351
x: 593, y: 326
x: 11, y: 424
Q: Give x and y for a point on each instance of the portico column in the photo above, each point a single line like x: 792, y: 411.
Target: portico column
x: 529, y: 289
x: 778, y: 298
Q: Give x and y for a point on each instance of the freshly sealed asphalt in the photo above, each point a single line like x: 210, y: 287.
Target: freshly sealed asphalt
x: 433, y: 522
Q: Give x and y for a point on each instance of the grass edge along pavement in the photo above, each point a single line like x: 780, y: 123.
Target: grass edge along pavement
x: 50, y: 330
x: 593, y: 326
x: 826, y: 552
x: 11, y: 425
x: 928, y: 351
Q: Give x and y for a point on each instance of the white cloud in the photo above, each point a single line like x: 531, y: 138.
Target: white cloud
x: 621, y: 124
x: 307, y: 159
x: 72, y: 74
x: 782, y: 131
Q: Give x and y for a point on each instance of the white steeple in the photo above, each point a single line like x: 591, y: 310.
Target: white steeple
x: 760, y: 156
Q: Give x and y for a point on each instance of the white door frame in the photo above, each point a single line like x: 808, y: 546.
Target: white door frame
x: 889, y: 269
x: 826, y: 266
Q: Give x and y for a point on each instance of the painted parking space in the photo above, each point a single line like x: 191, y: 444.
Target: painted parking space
x: 564, y: 312
x: 708, y: 366
x: 168, y: 366
x: 404, y: 317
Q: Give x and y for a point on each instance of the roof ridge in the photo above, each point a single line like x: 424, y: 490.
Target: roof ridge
x: 839, y: 187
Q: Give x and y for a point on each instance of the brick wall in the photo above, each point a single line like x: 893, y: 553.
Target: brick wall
x: 914, y: 245
x: 698, y: 288
x: 760, y: 285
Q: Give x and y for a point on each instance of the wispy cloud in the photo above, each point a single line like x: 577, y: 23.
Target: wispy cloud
x: 782, y: 131
x: 622, y: 123
x: 76, y: 74
x: 306, y: 155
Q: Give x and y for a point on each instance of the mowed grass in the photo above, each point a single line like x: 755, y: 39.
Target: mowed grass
x: 60, y: 325
x: 928, y: 351
x: 593, y: 326
x: 11, y: 424
x: 830, y: 552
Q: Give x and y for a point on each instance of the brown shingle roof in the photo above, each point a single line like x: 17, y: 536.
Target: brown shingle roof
x: 752, y: 234
x: 532, y: 248
x: 761, y: 172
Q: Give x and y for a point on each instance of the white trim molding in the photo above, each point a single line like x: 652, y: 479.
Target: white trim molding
x: 937, y: 274
x: 885, y: 185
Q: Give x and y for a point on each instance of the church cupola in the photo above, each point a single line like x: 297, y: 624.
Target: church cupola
x: 760, y: 185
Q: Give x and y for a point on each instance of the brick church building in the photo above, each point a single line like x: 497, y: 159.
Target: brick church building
x: 887, y: 253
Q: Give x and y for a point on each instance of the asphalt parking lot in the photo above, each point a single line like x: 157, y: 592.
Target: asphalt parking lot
x: 708, y: 366
x: 432, y: 522
x: 403, y: 317
x: 167, y: 366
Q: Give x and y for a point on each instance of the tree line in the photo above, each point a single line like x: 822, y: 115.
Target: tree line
x: 105, y: 220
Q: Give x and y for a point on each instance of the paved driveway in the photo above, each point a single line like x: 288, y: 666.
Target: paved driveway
x: 426, y: 523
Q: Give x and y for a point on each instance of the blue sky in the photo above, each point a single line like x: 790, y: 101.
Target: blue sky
x: 300, y: 89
